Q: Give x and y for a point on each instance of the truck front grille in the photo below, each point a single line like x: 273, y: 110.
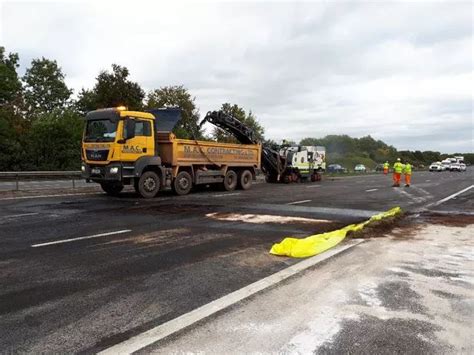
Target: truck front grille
x: 97, y: 155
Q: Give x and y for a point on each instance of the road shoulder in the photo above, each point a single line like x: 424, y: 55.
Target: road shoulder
x: 409, y: 292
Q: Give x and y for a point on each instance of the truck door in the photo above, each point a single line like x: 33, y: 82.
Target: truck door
x: 141, y: 144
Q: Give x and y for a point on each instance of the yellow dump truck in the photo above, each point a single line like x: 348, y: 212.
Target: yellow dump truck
x: 122, y: 147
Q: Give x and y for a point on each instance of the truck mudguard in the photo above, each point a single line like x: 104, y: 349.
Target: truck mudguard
x: 143, y: 162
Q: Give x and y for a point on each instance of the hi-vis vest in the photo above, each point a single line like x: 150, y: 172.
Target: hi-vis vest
x: 407, y: 169
x: 398, y: 167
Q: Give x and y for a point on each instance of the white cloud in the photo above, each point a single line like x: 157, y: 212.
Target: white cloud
x: 399, y: 71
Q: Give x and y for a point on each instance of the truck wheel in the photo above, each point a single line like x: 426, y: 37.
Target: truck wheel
x: 182, y: 184
x: 149, y: 184
x: 245, y: 180
x: 112, y: 189
x: 230, y: 180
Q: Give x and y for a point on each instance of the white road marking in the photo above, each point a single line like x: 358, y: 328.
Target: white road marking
x: 370, y: 190
x: 423, y: 191
x: 231, y: 194
x: 427, y: 180
x: 21, y: 215
x: 298, y: 202
x: 309, y: 187
x: 45, y: 196
x: 450, y: 197
x: 80, y: 238
x: 401, y: 191
x: 162, y: 331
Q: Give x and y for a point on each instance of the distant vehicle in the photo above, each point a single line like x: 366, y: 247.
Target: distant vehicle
x: 455, y: 167
x: 303, y: 162
x: 459, y: 159
x: 446, y: 164
x: 436, y: 166
x: 462, y: 166
x: 336, y: 168
x: 379, y: 167
x: 360, y: 168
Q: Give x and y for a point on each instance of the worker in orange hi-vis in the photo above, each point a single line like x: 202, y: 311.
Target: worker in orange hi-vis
x: 407, y: 172
x: 386, y: 166
x: 397, y: 173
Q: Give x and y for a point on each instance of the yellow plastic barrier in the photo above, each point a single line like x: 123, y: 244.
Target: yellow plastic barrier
x: 318, y: 243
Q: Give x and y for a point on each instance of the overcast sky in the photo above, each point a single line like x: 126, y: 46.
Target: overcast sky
x: 399, y: 71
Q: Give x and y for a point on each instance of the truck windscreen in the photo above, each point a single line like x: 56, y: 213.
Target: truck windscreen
x: 100, y: 131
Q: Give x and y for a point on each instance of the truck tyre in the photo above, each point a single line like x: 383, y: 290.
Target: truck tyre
x: 245, y: 180
x: 182, y: 183
x: 111, y: 188
x: 230, y: 180
x: 149, y: 184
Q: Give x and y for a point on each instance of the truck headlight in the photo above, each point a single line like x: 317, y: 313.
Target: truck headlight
x: 114, y: 170
x: 83, y: 168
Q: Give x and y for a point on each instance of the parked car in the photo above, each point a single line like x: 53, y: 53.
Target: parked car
x: 335, y: 168
x: 455, y: 167
x: 360, y: 168
x: 436, y: 166
x: 379, y: 167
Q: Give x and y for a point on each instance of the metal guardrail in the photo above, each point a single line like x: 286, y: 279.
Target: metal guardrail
x: 18, y: 176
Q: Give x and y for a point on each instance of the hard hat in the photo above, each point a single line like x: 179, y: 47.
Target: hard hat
x: 398, y: 159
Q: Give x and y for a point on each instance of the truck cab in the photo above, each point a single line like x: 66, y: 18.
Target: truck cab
x: 117, y: 145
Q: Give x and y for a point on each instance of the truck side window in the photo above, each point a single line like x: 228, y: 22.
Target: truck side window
x: 142, y: 128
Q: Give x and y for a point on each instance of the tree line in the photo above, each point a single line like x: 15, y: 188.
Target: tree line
x: 350, y: 151
x: 41, y: 118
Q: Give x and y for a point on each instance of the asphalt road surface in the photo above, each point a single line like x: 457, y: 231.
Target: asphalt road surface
x: 81, y: 273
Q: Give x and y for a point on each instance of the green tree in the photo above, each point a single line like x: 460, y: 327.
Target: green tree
x: 10, y: 84
x: 239, y: 113
x: 12, y: 124
x: 54, y: 141
x: 45, y: 89
x: 178, y: 96
x: 112, y: 89
x: 311, y: 141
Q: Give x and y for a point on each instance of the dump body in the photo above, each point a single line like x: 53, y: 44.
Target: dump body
x: 185, y: 152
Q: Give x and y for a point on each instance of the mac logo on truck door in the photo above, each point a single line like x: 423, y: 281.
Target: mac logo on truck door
x: 132, y: 149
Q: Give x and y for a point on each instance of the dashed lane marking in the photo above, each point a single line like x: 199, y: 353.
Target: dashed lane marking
x: 21, y: 215
x: 371, y: 190
x: 310, y: 187
x: 231, y: 194
x: 80, y: 238
x: 298, y: 202
x: 175, y: 325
